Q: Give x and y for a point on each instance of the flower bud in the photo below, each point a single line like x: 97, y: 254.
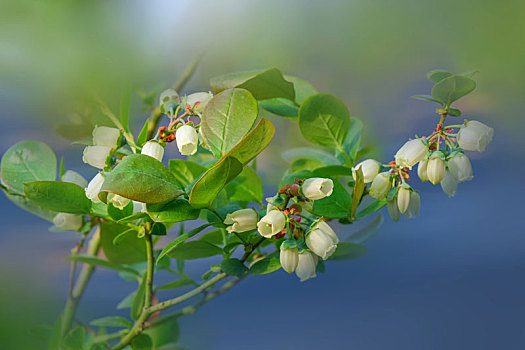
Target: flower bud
x: 74, y: 178
x: 414, y: 206
x: 380, y: 186
x: 289, y: 259
x: 93, y: 188
x: 370, y: 169
x: 459, y: 167
x: 422, y: 170
x: 436, y: 167
x: 104, y: 136
x: 96, y: 156
x: 449, y: 184
x: 322, y: 240
x: 410, y: 153
x: 316, y: 188
x: 403, y: 198
x: 393, y: 210
x: 306, y: 265
x: 272, y: 223
x: 199, y: 100
x: 154, y: 150
x: 187, y: 140
x: 474, y: 136
x: 168, y: 94
x: 68, y: 222
x: 241, y: 220
x: 118, y: 202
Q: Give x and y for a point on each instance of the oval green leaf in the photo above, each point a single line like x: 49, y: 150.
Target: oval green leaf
x: 129, y: 250
x: 176, y: 210
x: 62, y: 197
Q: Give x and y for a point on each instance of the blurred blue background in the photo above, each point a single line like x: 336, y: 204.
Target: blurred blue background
x: 452, y: 278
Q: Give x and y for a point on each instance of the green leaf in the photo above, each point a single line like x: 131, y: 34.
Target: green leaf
x: 63, y: 197
x: 142, y: 342
x: 305, y: 164
x: 226, y: 119
x: 181, y: 239
x: 26, y: 204
x: 129, y: 250
x: 225, y: 170
x: 247, y: 187
x: 437, y: 75
x: 177, y: 284
x: 167, y: 332
x: 281, y: 106
x: 74, y: 339
x: 452, y: 89
x: 112, y: 321
x: 336, y: 206
x: 351, y: 143
x: 27, y: 161
x: 454, y: 112
x: 426, y: 98
x: 56, y: 335
x: 263, y: 85
x: 138, y: 300
x: 194, y: 250
x: 214, y: 237
x: 94, y: 261
x: 303, y: 89
x: 143, y: 179
x: 324, y: 120
x: 310, y: 153
x: 176, y: 210
x: 269, y: 264
x: 118, y: 214
x: 333, y: 170
x: 348, y: 251
x: 359, y: 188
x: 127, y: 301
x: 158, y: 229
x: 185, y: 171
x: 233, y: 267
x: 371, y: 209
x: 365, y: 233
x: 125, y: 101
x: 291, y: 177
x: 143, y: 136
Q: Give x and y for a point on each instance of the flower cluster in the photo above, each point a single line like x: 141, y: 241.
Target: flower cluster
x: 308, y: 237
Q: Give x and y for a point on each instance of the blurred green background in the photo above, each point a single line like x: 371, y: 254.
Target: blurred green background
x: 54, y: 55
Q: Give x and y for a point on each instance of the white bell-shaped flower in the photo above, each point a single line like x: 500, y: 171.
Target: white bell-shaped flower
x: 241, y: 220
x: 199, y: 100
x: 154, y: 150
x: 370, y: 169
x: 272, y: 223
x: 187, y: 140
x: 422, y: 170
x: 289, y: 258
x: 436, y: 167
x: 317, y: 188
x: 414, y: 206
x: 411, y: 152
x: 68, y: 222
x: 460, y: 167
x: 74, y: 178
x: 118, y: 201
x: 393, y: 210
x: 96, y: 156
x: 168, y: 94
x: 93, y: 188
x: 380, y: 186
x: 403, y: 198
x: 306, y: 265
x: 105, y: 136
x: 322, y: 240
x: 449, y: 184
x: 474, y: 136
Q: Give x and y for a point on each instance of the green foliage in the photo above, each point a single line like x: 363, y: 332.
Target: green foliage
x: 194, y: 250
x: 348, y: 251
x: 337, y: 205
x: 128, y: 250
x: 167, y: 332
x: 226, y: 119
x: 142, y: 342
x: 181, y: 239
x: 143, y: 179
x: 94, y: 261
x: 371, y: 209
x: 74, y: 340
x: 125, y: 102
x: 324, y: 120
x: 112, y: 321
x: 58, y: 196
x: 359, y: 188
x: 368, y: 231
x: 27, y: 161
x: 247, y: 187
x: 186, y: 172
x: 351, y: 143
x: 267, y: 265
x: 176, y: 210
x: 452, y: 88
x: 290, y: 155
x: 234, y: 267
